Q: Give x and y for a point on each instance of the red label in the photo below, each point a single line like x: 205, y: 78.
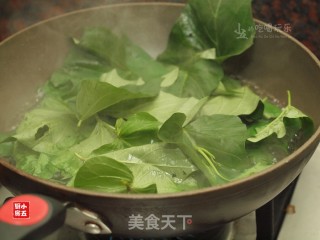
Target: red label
x: 21, y: 209
x: 24, y: 210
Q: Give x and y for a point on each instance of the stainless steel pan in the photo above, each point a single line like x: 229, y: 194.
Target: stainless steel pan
x: 275, y: 64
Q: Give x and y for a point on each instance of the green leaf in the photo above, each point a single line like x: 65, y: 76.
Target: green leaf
x: 259, y: 167
x: 116, y: 80
x: 117, y: 144
x: 222, y: 135
x: 95, y: 96
x: 196, y: 79
x: 49, y: 128
x: 152, y: 188
x: 172, y: 131
x: 139, y: 122
x: 277, y: 126
x: 271, y: 110
x: 67, y: 164
x: 242, y: 101
x: 162, y: 107
x: 170, y: 77
x: 6, y: 144
x: 150, y: 87
x: 43, y: 167
x: 146, y: 175
x: 254, y: 117
x: 211, y: 24
x: 122, y: 54
x: 24, y: 157
x: 209, y: 54
x: 6, y: 149
x: 6, y: 137
x: 165, y: 157
x: 268, y: 151
x: 213, y: 143
x: 79, y: 65
x: 104, y: 44
x: 59, y: 167
x: 102, y: 134
x: 104, y: 174
x: 138, y: 129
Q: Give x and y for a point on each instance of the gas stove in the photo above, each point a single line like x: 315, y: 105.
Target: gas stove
x: 288, y: 216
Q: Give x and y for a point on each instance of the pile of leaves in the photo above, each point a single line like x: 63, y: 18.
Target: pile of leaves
x: 114, y: 119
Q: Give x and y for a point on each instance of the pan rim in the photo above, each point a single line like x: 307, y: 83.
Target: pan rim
x: 311, y: 144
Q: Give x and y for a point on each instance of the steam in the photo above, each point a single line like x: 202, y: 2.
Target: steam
x: 22, y: 14
x: 42, y: 48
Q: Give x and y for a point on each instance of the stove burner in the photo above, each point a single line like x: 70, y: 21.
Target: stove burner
x: 222, y: 233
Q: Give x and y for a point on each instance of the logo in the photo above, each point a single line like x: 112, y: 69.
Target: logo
x: 21, y: 209
x: 267, y: 29
x: 153, y: 222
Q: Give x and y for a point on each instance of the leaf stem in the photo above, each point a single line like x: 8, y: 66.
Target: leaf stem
x: 289, y: 97
x: 81, y: 157
x: 209, y: 157
x: 79, y: 123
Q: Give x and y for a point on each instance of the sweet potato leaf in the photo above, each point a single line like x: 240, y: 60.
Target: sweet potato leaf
x: 114, y: 78
x: 104, y: 174
x: 222, y: 135
x: 50, y: 127
x: 60, y: 167
x: 208, y: 24
x: 165, y: 157
x: 196, y: 79
x: 6, y: 144
x: 241, y: 101
x: 95, y: 96
x: 277, y: 126
x: 122, y: 54
x: 172, y: 131
x: 79, y: 65
x: 146, y: 175
x: 271, y: 110
x: 138, y: 122
x: 161, y: 107
x: 211, y: 142
x: 102, y: 134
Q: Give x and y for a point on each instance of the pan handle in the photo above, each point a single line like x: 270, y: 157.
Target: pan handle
x: 30, y: 216
x: 34, y: 216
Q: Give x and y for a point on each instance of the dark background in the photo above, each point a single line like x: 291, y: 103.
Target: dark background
x: 301, y: 16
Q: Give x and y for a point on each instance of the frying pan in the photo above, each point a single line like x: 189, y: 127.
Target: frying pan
x: 275, y: 64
